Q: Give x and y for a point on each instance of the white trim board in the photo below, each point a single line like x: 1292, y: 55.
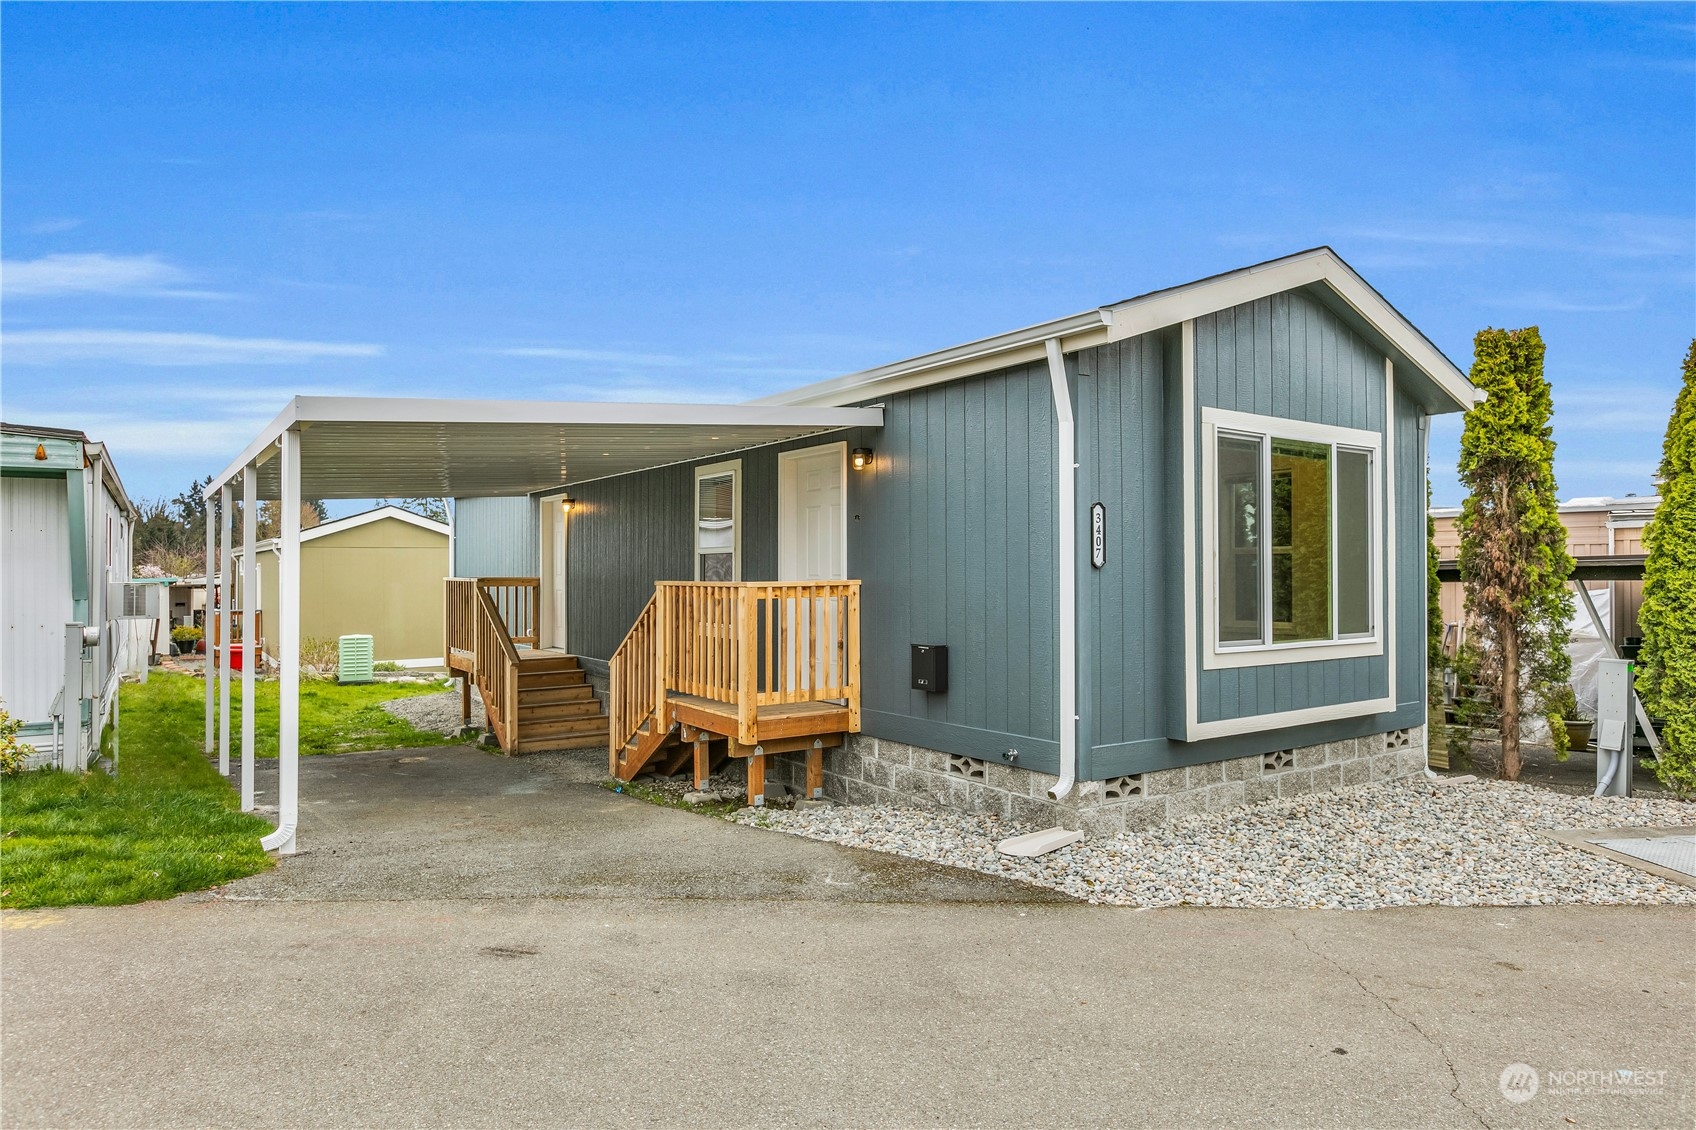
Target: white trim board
x: 1144, y: 314
x: 1216, y: 656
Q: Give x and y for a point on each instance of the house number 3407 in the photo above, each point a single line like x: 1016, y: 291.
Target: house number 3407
x: 1098, y: 535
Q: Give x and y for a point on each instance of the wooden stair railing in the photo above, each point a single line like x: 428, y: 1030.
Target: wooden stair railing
x: 496, y: 670
x: 743, y: 645
x: 637, y: 698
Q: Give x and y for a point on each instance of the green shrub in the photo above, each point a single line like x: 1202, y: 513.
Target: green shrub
x: 1666, y: 666
x: 14, y: 755
x: 186, y: 635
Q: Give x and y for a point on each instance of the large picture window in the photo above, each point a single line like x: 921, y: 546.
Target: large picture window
x: 718, y: 512
x: 1290, y: 534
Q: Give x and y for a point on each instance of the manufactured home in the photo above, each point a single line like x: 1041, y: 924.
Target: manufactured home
x: 1161, y: 556
x: 64, y: 558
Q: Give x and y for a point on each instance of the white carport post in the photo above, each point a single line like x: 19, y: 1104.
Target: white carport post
x: 206, y: 615
x: 249, y: 630
x: 226, y: 499
x: 288, y: 653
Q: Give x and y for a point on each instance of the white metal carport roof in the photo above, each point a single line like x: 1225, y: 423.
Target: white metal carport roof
x: 362, y: 447
x: 381, y: 447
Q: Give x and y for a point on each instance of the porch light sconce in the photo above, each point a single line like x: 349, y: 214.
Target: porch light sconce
x: 41, y: 451
x: 566, y: 502
x: 860, y: 458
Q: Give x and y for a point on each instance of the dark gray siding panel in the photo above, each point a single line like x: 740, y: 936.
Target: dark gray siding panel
x: 625, y: 534
x: 952, y: 534
x: 496, y: 537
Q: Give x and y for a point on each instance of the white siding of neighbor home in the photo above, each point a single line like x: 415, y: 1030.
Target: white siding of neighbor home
x: 35, y: 594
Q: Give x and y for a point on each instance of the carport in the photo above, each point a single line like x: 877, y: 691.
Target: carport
x: 362, y: 447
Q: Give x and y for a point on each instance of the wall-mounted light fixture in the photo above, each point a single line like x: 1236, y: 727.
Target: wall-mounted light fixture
x: 41, y: 451
x: 860, y: 458
x: 566, y: 502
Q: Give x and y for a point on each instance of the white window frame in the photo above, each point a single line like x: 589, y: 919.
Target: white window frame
x: 733, y: 468
x: 1217, y: 655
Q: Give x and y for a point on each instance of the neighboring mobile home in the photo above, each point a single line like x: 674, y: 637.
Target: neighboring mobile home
x: 1595, y: 528
x: 1174, y: 548
x: 66, y: 542
x: 378, y: 573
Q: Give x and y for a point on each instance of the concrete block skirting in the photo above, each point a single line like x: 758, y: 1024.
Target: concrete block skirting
x: 870, y: 770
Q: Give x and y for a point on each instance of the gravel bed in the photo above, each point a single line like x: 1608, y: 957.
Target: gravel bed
x: 436, y: 713
x: 1398, y: 843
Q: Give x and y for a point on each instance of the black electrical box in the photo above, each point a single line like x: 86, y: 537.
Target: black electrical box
x: 930, y: 667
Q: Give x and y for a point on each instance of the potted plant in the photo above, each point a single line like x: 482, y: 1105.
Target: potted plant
x: 1564, y: 705
x: 187, y: 637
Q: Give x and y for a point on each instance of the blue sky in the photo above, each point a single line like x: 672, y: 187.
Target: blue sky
x: 207, y: 209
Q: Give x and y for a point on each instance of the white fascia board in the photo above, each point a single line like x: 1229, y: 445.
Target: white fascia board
x: 1169, y: 307
x: 366, y: 517
x: 1077, y: 331
x: 304, y: 411
x: 256, y: 452
x: 1145, y: 314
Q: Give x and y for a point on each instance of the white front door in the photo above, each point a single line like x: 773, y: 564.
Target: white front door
x: 811, y: 533
x: 557, y: 553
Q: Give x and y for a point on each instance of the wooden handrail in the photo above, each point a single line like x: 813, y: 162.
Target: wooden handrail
x: 459, y: 615
x: 496, y: 670
x: 516, y: 599
x: 631, y: 678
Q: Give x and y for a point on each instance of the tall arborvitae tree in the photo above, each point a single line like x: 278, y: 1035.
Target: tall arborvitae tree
x: 1666, y: 667
x: 1513, y: 555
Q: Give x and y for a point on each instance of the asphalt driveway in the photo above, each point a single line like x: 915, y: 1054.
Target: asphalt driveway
x: 482, y: 942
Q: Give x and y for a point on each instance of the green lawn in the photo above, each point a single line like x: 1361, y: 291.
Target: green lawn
x: 168, y: 823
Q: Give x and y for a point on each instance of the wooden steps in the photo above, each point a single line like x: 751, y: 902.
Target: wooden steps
x: 557, y: 708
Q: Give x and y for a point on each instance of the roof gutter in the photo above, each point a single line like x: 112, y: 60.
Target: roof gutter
x: 1067, y: 479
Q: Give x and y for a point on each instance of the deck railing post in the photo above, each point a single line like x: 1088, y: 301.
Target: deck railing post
x: 662, y: 648
x: 747, y: 701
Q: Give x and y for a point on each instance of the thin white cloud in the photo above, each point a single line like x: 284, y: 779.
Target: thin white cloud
x: 94, y: 273
x: 53, y: 226
x: 594, y: 356
x: 51, y: 347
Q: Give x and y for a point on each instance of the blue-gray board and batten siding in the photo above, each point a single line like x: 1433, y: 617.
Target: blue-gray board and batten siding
x: 952, y: 533
x: 496, y: 537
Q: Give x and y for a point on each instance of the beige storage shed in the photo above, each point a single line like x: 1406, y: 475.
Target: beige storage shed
x: 378, y: 573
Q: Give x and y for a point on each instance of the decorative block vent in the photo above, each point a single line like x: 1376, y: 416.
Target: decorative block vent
x: 1277, y: 759
x: 1398, y: 739
x: 969, y: 767
x: 354, y: 659
x: 1118, y: 788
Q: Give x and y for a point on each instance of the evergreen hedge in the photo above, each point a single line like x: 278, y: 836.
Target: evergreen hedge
x: 1666, y: 666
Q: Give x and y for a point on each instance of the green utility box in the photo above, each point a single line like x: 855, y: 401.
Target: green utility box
x: 354, y: 659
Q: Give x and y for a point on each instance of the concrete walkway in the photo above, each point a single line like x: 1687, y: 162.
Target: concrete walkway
x: 481, y: 942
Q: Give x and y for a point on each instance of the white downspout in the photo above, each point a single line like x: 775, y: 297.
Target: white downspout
x: 288, y: 654
x: 1068, y: 571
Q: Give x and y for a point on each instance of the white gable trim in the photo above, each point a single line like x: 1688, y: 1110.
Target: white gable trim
x: 365, y: 518
x: 1144, y: 314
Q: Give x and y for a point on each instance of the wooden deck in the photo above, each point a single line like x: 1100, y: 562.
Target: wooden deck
x: 772, y: 724
x: 712, y: 670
